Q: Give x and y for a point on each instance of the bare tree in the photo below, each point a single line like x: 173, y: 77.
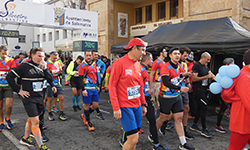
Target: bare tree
x: 75, y: 4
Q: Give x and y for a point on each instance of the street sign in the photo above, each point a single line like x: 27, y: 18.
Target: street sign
x: 9, y: 33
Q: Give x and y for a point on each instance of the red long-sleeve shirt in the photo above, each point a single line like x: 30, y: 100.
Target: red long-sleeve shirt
x: 126, y: 84
x: 238, y: 94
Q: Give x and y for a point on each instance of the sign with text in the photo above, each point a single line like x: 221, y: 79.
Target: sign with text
x: 27, y: 13
x: 82, y: 46
x: 9, y: 33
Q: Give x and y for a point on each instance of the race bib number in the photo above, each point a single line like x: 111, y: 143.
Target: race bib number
x: 205, y: 82
x: 133, y: 92
x: 147, y: 86
x: 175, y: 81
x: 45, y: 84
x: 3, y: 74
x: 37, y: 86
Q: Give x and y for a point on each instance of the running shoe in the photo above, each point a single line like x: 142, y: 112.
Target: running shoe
x: 27, y: 142
x: 195, y: 127
x: 191, y: 117
x: 91, y: 127
x: 78, y: 107
x: 54, y: 109
x: 62, y: 117
x: 44, y: 126
x: 162, y: 130
x: 121, y: 142
x: 206, y: 133
x: 84, y: 119
x: 186, y: 147
x: 9, y: 124
x: 51, y: 117
x: 169, y: 126
x: 74, y: 108
x: 1, y: 126
x: 189, y: 136
x: 100, y: 116
x: 141, y: 131
x: 44, y: 147
x: 150, y: 138
x: 44, y: 138
x: 219, y: 129
x: 159, y: 147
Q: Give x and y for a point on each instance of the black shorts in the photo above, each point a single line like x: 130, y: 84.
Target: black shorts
x: 6, y: 92
x: 74, y: 82
x: 185, y: 98
x: 33, y: 106
x: 171, y: 104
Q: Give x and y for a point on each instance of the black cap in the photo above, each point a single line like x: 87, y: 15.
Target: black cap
x: 173, y: 49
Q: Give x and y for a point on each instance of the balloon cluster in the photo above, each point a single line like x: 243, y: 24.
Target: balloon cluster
x: 224, y: 78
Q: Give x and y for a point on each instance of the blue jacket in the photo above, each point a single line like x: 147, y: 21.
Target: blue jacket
x: 101, y: 67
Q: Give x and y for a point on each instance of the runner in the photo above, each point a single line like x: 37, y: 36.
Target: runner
x: 90, y: 87
x: 6, y: 64
x: 155, y: 76
x: 32, y: 74
x: 169, y: 96
x: 146, y: 62
x: 73, y: 77
x: 200, y: 85
x: 101, y: 67
x: 55, y: 68
x: 126, y: 92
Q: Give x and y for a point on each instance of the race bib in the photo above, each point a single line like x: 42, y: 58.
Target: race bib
x: 205, y: 82
x: 3, y: 74
x: 37, y: 86
x: 45, y: 84
x: 147, y: 86
x: 133, y: 92
x: 175, y: 81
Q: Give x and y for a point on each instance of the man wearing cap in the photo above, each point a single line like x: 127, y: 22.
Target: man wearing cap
x: 126, y: 91
x: 169, y: 96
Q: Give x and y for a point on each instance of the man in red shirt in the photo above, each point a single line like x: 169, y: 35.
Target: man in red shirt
x: 6, y: 64
x: 238, y: 94
x: 126, y: 91
x: 155, y: 76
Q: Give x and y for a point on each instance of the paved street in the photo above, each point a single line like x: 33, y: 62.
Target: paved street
x: 73, y: 134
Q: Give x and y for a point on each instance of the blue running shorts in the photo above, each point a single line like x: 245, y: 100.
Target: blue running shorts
x: 92, y: 96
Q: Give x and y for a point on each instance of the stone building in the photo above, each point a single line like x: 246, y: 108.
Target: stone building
x: 121, y: 20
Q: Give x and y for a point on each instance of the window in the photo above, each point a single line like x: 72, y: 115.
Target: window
x: 161, y: 10
x: 64, y: 34
x: 38, y: 38
x: 149, y: 13
x: 22, y: 39
x: 174, y: 8
x: 50, y: 36
x: 57, y: 35
x: 138, y: 15
x: 44, y: 37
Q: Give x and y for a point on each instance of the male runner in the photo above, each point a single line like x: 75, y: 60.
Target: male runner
x: 90, y: 87
x: 169, y: 96
x: 126, y: 91
x: 55, y: 68
x: 73, y: 77
x: 32, y: 74
x: 6, y: 64
x: 101, y: 67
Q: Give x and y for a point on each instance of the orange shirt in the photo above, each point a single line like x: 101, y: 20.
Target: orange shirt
x: 126, y: 84
x: 239, y: 95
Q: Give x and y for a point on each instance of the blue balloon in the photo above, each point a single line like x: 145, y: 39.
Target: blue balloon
x: 226, y: 82
x: 215, y: 88
x: 233, y: 71
x: 218, y: 77
x: 222, y: 71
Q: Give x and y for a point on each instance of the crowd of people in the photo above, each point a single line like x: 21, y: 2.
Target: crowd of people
x: 137, y: 86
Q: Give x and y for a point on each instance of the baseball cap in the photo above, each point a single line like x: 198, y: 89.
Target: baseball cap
x: 190, y: 57
x: 135, y: 42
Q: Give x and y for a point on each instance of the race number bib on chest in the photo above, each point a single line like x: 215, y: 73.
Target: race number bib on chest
x: 133, y: 92
x: 37, y: 86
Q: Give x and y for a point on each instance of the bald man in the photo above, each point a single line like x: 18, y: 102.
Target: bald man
x: 200, y: 84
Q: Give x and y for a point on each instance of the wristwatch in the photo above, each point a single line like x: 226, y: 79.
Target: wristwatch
x: 145, y: 104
